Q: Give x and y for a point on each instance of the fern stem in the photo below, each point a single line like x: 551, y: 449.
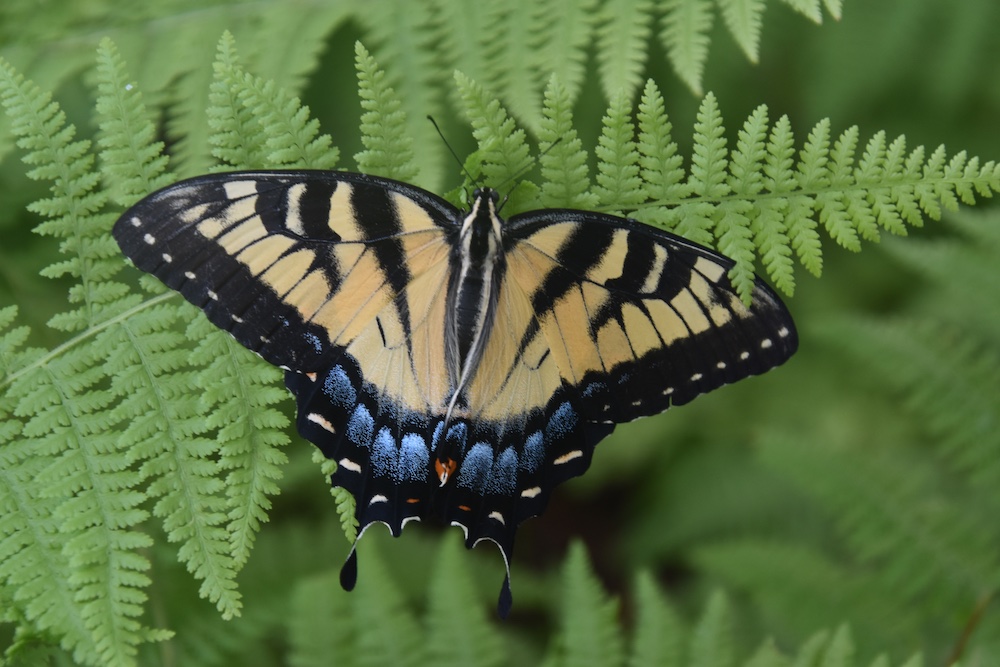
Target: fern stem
x: 80, y: 338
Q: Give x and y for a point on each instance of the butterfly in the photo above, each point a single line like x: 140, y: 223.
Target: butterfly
x: 454, y: 364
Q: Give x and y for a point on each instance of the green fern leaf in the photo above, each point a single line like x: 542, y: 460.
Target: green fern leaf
x: 812, y: 650
x: 388, y: 149
x: 840, y: 652
x: 562, y: 49
x: 768, y: 655
x: 292, y: 139
x: 127, y: 134
x: 708, y: 162
x: 795, y: 210
x: 238, y: 392
x: 74, y: 205
x: 587, y: 635
x: 502, y: 149
x: 316, y: 639
x: 712, y: 638
x: 622, y: 38
x: 342, y: 497
x: 519, y: 37
x: 744, y: 18
x: 809, y: 8
x: 566, y: 182
x: 937, y: 554
x: 237, y: 137
x: 403, y: 39
x: 685, y: 31
x: 378, y: 604
x: 618, y: 184
x: 458, y: 632
x: 658, y: 632
x: 661, y: 167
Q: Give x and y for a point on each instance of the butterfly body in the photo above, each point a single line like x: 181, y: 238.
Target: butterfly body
x: 455, y: 365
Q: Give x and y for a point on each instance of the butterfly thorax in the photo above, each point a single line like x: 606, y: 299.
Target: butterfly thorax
x: 477, y: 266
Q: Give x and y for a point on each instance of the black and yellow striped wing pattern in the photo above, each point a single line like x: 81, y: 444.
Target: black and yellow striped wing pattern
x: 453, y: 364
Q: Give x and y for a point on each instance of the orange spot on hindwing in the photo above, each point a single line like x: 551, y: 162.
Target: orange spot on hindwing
x: 444, y: 469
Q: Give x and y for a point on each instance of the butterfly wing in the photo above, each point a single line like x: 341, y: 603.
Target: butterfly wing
x: 293, y: 264
x: 622, y: 320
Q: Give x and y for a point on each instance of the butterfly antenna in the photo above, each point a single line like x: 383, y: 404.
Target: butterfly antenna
x: 451, y: 150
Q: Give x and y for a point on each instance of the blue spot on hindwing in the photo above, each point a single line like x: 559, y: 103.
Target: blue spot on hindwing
x: 437, y: 435
x: 339, y: 388
x: 534, y: 453
x: 476, y: 467
x: 503, y: 477
x: 413, y: 458
x: 561, y: 423
x: 385, y: 456
x: 361, y: 426
x: 457, y: 435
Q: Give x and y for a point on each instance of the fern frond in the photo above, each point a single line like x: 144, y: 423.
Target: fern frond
x: 565, y: 177
x: 932, y: 551
x: 624, y: 27
x: 712, y: 636
x: 686, y: 25
x: 809, y: 8
x: 343, y: 498
x: 618, y: 184
x: 453, y: 603
x: 562, y: 48
x: 237, y: 137
x: 519, y: 37
x: 401, y: 35
x: 379, y: 604
x: 127, y: 134
x: 316, y: 640
x: 782, y: 578
x: 658, y: 630
x: 587, y: 618
x: 84, y: 469
x: 388, y: 149
x: 238, y: 394
x: 466, y: 33
x: 292, y: 139
x: 661, y: 167
x: 744, y: 18
x: 768, y: 656
x: 503, y: 151
x: 74, y: 205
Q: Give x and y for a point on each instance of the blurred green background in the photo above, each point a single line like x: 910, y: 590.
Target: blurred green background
x: 855, y: 484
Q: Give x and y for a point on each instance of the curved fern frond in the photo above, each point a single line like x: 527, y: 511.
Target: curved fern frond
x: 453, y: 602
x: 237, y: 137
x: 586, y: 635
x: 85, y: 569
x: 565, y: 177
x: 388, y: 148
x: 624, y: 27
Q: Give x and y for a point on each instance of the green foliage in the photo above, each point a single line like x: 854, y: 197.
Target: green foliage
x: 137, y: 442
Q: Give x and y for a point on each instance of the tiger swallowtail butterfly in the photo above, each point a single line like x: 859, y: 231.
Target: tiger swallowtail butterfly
x: 455, y: 365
